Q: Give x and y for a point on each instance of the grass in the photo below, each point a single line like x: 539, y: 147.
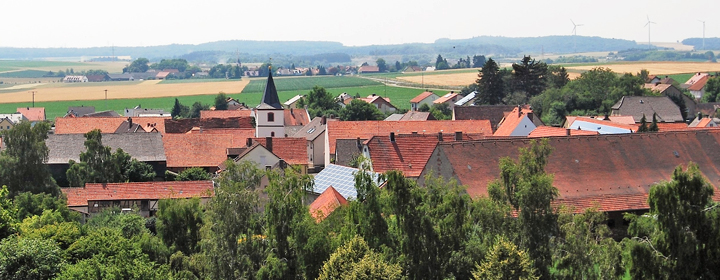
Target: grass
x: 24, y: 74
x: 307, y: 83
x: 192, y: 81
x: 399, y: 97
x: 680, y: 78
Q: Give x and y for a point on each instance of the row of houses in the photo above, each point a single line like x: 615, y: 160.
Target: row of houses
x: 139, y: 76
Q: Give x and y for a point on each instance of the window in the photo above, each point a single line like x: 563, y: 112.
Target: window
x: 272, y: 134
x: 271, y: 117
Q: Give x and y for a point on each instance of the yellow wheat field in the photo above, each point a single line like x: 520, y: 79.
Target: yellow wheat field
x: 656, y: 68
x: 453, y: 79
x: 146, y: 89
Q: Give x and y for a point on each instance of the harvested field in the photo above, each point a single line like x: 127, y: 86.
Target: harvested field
x: 146, y: 89
x: 454, y: 79
x: 656, y: 68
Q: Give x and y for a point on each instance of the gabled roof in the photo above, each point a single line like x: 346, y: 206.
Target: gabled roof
x: 326, y: 203
x: 699, y: 84
x: 615, y: 171
x: 82, y: 125
x: 602, y: 127
x: 127, y: 127
x: 658, y: 87
x: 295, y: 117
x: 292, y: 150
x: 145, y: 147
x: 511, y: 121
x: 695, y: 78
x: 466, y: 99
x: 445, y: 98
x: 394, y: 117
x: 346, y: 150
x: 493, y: 113
x: 223, y: 114
x: 342, y: 178
x: 199, y: 150
x: 417, y: 116
x: 14, y: 118
x: 270, y: 99
x: 368, y: 69
x: 374, y: 99
x: 80, y: 111
x: 313, y: 129
x: 627, y: 120
x: 292, y: 100
x: 636, y: 106
x: 422, y: 96
x: 367, y: 129
x: 107, y: 113
x: 704, y: 122
x: 549, y: 131
x: 137, y: 191
x: 185, y: 125
x: 33, y: 114
x: 408, y: 153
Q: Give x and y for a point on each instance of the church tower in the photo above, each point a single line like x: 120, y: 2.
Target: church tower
x: 269, y: 115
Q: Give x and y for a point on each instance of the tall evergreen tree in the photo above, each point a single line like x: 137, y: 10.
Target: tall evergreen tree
x: 654, y: 126
x: 643, y: 125
x: 220, y: 102
x: 491, y: 87
x: 529, y: 76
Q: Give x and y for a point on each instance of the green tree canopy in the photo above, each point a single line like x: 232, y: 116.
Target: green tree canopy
x: 22, y: 161
x: 506, y: 261
x: 491, y: 86
x: 382, y: 66
x: 221, y: 101
x: 359, y: 110
x: 139, y: 65
x: 22, y: 258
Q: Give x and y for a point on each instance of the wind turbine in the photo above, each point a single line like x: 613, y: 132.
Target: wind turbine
x: 703, y: 22
x: 648, y: 26
x: 574, y: 31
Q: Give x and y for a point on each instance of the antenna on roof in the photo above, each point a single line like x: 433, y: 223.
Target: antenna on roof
x: 648, y: 26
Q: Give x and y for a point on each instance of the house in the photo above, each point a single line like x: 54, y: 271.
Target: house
x: 82, y: 125
x: 33, y: 114
x: 326, y: 203
x: 143, y: 76
x: 138, y: 111
x: 251, y: 73
x: 701, y: 122
x: 426, y: 97
x: 612, y: 172
x: 292, y: 102
x: 145, y: 147
x: 708, y: 109
x: 186, y: 125
x: 292, y: 150
x: 637, y: 106
x: 314, y: 133
x: 626, y: 120
x: 80, y: 111
x: 121, y: 77
x: 269, y: 115
x: 347, y: 151
x: 96, y: 78
x: 129, y: 126
x: 673, y: 92
x: 599, y: 126
x: 75, y: 79
x: 551, y: 131
x: 261, y: 156
x: 417, y: 116
x: 450, y: 98
x: 382, y: 103
x: 519, y: 122
x: 469, y: 99
x: 368, y: 69
x: 411, y: 69
x: 342, y: 178
x: 367, y: 129
x: 225, y: 114
x: 694, y: 79
x: 493, y: 113
x: 697, y: 89
x: 103, y: 114
x: 394, y: 117
x: 652, y: 79
x: 94, y: 198
x: 205, y: 150
x: 162, y: 75
x: 8, y: 121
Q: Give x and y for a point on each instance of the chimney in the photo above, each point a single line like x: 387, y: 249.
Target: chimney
x: 323, y: 120
x: 699, y: 116
x: 567, y: 132
x: 392, y: 137
x: 248, y: 142
x: 130, y: 121
x: 458, y: 136
x: 440, y: 138
x: 519, y: 111
x: 358, y: 143
x: 269, y: 144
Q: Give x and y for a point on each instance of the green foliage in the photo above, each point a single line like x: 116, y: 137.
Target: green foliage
x: 221, y: 101
x: 441, y: 111
x: 196, y: 108
x: 355, y: 260
x: 529, y: 76
x: 122, y: 266
x: 320, y: 102
x: 424, y: 108
x: 359, y: 110
x: 382, y: 66
x: 22, y: 161
x: 557, y: 77
x: 653, y: 126
x: 29, y: 204
x: 193, y: 174
x: 179, y: 110
x: 478, y: 61
x: 179, y: 222
x: 175, y: 63
x: 506, y: 261
x: 643, y: 125
x: 23, y: 258
x: 364, y: 216
x: 8, y: 222
x: 712, y: 90
x: 139, y: 65
x: 491, y: 86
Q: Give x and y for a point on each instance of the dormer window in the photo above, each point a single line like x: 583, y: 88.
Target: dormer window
x: 271, y: 117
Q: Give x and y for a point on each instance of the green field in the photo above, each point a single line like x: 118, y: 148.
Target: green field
x: 400, y: 97
x: 681, y: 78
x: 24, y: 74
x: 307, y: 83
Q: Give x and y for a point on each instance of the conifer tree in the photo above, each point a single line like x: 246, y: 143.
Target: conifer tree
x: 654, y: 126
x: 643, y: 125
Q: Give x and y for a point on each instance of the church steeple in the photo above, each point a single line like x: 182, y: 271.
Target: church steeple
x: 270, y: 99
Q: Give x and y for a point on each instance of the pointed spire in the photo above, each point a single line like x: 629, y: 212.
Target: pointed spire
x: 270, y: 99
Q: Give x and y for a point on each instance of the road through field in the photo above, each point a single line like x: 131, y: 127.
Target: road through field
x: 147, y: 89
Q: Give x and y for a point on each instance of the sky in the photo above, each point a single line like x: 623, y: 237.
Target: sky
x: 85, y: 23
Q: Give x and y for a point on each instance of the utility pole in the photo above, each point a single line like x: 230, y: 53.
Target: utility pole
x: 33, y: 97
x: 106, y: 105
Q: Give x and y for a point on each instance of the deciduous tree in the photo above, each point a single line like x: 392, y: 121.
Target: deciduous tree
x: 22, y: 161
x: 359, y: 110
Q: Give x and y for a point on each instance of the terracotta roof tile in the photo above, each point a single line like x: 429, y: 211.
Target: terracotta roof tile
x: 237, y: 132
x: 368, y: 69
x: 185, y: 125
x: 417, y: 116
x: 326, y: 203
x: 409, y: 153
x: 445, y: 98
x: 695, y: 78
x: 548, y: 131
x: 224, y: 114
x: 589, y: 168
x: 700, y: 84
x: 82, y: 125
x: 493, y: 113
x: 199, y: 150
x: 511, y: 121
x: 421, y: 97
x: 292, y: 150
x: 137, y: 191
x: 294, y: 117
x: 33, y: 114
x: 368, y: 129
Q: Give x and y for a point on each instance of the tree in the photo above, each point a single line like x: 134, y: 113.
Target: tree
x: 506, y: 261
x: 382, y: 66
x: 139, y: 65
x: 29, y: 204
x: 558, y: 77
x: 677, y: 237
x: 355, y: 260
x: 320, y: 101
x: 653, y: 126
x: 193, y: 174
x: 321, y: 70
x: 364, y: 215
x: 359, y: 110
x: 398, y: 66
x: 8, y: 223
x: 196, y: 108
x: 179, y: 110
x: 424, y: 108
x: 491, y: 87
x: 712, y: 90
x: 22, y: 258
x: 221, y: 101
x: 441, y: 111
x: 478, y: 61
x: 643, y: 125
x: 179, y: 224
x: 22, y: 162
x: 526, y: 187
x: 529, y: 76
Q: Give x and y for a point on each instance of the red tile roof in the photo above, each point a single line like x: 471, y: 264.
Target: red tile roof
x: 223, y: 114
x: 589, y: 169
x: 368, y: 129
x: 137, y: 191
x: 629, y: 120
x: 695, y: 78
x: 292, y: 150
x: 704, y: 122
x: 238, y: 132
x: 409, y: 153
x: 81, y: 125
x: 633, y: 127
x: 669, y: 126
x: 700, y: 84
x: 294, y: 117
x: 511, y: 121
x: 421, y: 97
x: 185, y: 125
x: 368, y: 69
x: 445, y: 98
x: 199, y: 150
x: 33, y: 114
x: 548, y: 131
x: 326, y: 203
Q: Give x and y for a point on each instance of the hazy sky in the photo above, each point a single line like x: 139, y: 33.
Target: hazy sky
x: 85, y: 23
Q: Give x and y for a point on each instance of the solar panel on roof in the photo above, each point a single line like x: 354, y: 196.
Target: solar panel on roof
x: 342, y: 178
x: 466, y: 99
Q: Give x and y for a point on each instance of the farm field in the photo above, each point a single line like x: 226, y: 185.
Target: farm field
x: 454, y: 79
x: 655, y: 68
x: 399, y: 97
x: 307, y: 83
x: 17, y: 65
x: 117, y: 90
